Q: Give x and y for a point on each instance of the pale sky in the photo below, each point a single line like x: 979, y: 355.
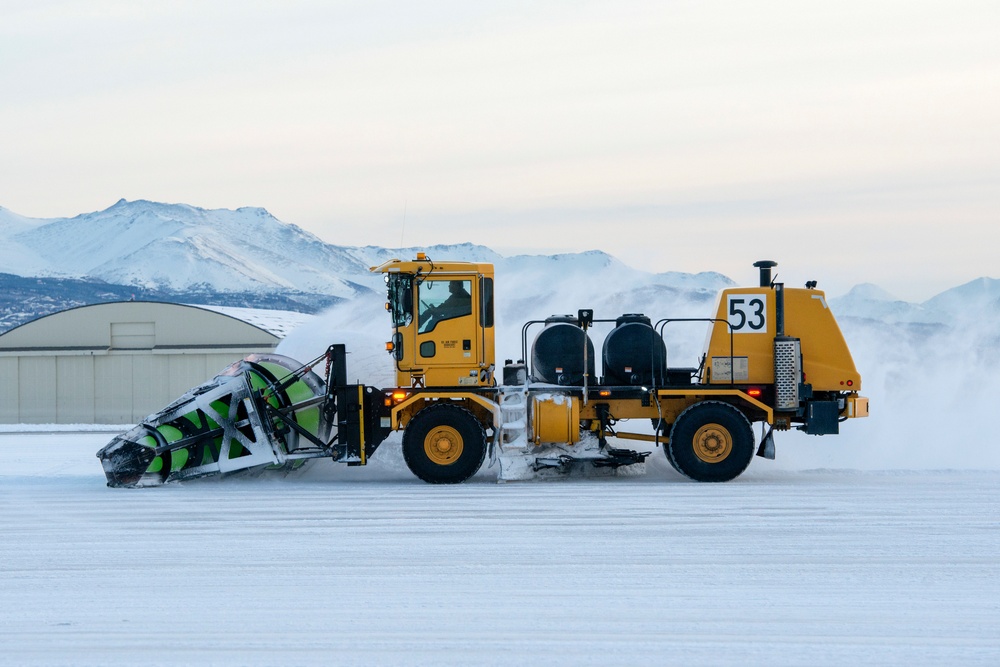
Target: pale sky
x: 850, y: 141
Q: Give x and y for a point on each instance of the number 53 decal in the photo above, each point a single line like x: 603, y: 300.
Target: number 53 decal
x: 747, y: 313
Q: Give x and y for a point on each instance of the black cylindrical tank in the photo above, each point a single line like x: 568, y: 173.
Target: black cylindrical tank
x: 633, y: 353
x: 557, y: 353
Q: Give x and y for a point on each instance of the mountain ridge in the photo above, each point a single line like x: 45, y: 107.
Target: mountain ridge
x: 235, y: 256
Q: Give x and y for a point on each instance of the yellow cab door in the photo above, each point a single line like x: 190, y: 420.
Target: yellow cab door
x: 449, y: 344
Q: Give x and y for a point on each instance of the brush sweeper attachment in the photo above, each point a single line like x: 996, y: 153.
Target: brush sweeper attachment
x: 263, y: 412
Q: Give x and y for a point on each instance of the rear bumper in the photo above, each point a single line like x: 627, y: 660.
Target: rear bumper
x: 857, y: 406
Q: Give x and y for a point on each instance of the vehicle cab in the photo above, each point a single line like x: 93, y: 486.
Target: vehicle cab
x: 442, y: 320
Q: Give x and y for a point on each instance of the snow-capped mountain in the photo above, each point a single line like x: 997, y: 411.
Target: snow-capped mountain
x: 972, y: 301
x: 177, y: 249
x: 975, y: 300
x: 169, y: 251
x: 175, y: 246
x: 16, y: 258
x: 872, y: 302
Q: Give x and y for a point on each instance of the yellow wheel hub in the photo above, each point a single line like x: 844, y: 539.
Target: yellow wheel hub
x: 443, y: 445
x: 713, y: 443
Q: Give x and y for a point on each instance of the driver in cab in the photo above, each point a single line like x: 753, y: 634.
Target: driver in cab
x: 458, y: 304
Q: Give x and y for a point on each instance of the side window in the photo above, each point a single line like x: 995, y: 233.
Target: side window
x: 441, y: 300
x: 486, y: 302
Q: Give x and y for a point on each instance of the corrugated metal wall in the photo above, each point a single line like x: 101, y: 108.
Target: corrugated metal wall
x: 116, y: 363
x: 105, y: 389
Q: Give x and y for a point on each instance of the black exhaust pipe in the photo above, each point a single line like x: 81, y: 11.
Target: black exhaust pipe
x: 765, y: 266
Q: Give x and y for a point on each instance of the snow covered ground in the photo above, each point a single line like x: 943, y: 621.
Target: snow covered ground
x: 368, y: 565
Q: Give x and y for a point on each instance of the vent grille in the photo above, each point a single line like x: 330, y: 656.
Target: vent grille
x: 787, y: 372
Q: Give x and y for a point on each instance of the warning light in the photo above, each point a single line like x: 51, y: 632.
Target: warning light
x: 754, y: 391
x: 398, y: 396
x: 850, y: 383
x: 604, y: 392
x: 389, y: 347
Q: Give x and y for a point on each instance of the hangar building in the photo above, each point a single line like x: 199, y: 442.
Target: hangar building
x: 115, y: 363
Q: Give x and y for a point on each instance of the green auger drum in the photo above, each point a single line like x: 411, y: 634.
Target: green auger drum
x: 264, y: 412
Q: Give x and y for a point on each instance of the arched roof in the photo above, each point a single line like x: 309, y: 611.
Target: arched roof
x: 137, y: 325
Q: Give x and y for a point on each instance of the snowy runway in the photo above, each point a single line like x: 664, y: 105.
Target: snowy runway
x: 371, y: 566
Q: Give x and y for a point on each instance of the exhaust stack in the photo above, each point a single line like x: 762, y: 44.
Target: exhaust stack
x: 765, y: 266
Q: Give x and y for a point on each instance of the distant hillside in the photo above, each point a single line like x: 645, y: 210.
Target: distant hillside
x: 248, y: 258
x: 23, y: 299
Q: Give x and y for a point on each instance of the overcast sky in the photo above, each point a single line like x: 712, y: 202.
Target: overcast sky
x: 850, y: 141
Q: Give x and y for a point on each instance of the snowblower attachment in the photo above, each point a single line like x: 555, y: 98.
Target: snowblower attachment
x: 266, y: 411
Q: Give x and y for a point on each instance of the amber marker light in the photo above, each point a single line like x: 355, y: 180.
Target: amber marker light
x: 754, y: 392
x: 604, y: 392
x: 399, y: 396
x: 389, y: 347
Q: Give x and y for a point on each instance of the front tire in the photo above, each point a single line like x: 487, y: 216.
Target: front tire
x: 444, y: 444
x: 711, y: 442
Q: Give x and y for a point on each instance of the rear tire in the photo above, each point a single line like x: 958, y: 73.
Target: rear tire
x: 711, y: 442
x: 444, y: 444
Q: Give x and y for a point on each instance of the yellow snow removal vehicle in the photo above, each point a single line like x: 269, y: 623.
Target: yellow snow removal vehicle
x: 774, y: 356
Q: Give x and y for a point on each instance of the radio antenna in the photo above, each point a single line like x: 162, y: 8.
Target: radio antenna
x: 402, y: 231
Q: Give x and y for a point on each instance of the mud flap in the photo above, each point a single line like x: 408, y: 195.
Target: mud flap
x: 766, y: 449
